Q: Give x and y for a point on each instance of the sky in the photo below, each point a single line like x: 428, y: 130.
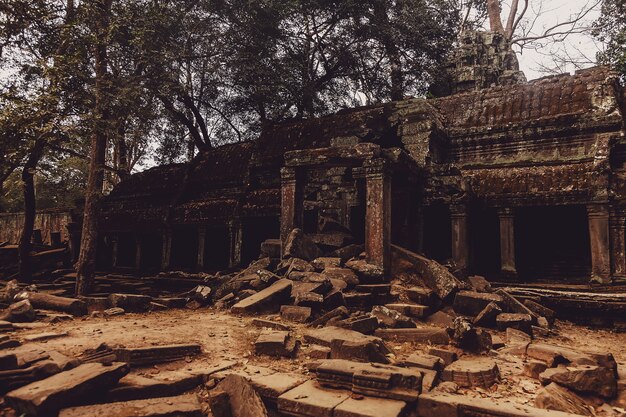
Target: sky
x: 581, y: 47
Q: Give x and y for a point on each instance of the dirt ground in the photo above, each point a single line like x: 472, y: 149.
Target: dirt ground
x: 225, y: 337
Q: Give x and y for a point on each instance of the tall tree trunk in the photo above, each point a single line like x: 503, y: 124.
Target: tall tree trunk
x: 25, y: 246
x: 495, y: 18
x: 85, y: 267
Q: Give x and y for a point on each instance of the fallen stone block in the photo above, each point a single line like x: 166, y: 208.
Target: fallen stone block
x: 268, y: 324
x: 270, y: 248
x: 45, y: 301
x: 275, y: 343
x: 340, y: 312
x: 440, y: 319
x: 15, y: 378
x: 268, y: 300
x: 376, y: 289
x: 360, y: 351
x: 555, y: 397
x: 296, y: 314
x: 417, y: 335
x: 219, y: 403
x: 370, y: 407
x: 311, y: 300
x: 8, y: 361
x: 326, y: 262
x: 180, y: 406
x: 376, y: 380
x: 172, y: 302
x: 334, y: 299
x: 165, y: 384
x: 364, y: 323
x: 472, y: 303
x: 487, y: 317
x: 156, y: 354
x: 310, y: 400
x: 318, y: 352
x: 291, y: 265
x: 366, y: 272
x: 534, y: 368
x: 299, y: 245
x: 326, y: 335
x: 115, y: 311
x: 270, y: 387
x: 20, y: 312
x: 521, y: 322
x: 584, y: 379
x: 130, y: 302
x: 424, y: 361
x: 541, y: 311
x: 423, y: 296
x: 360, y: 300
x: 517, y: 337
x: 344, y: 274
x: 244, y: 400
x: 476, y: 372
x: 479, y: 284
x: 44, y: 336
x: 554, y: 354
x: 513, y: 305
x: 348, y: 252
x: 391, y: 318
x: 48, y: 396
x: 410, y: 310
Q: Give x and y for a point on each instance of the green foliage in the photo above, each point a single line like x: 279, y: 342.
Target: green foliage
x: 611, y: 29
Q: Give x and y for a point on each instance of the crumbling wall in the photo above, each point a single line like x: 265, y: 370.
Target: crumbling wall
x: 48, y: 221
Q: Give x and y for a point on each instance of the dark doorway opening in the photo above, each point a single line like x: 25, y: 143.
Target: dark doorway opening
x: 437, y: 233
x: 217, y: 248
x: 126, y: 250
x: 184, y: 252
x: 256, y: 230
x: 484, y: 235
x: 104, y: 254
x: 552, y: 243
x: 151, y: 251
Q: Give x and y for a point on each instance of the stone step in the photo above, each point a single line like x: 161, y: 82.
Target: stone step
x: 180, y: 406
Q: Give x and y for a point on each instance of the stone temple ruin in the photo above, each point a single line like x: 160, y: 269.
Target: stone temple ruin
x: 521, y: 181
x: 412, y: 259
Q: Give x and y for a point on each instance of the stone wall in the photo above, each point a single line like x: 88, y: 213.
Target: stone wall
x: 48, y: 221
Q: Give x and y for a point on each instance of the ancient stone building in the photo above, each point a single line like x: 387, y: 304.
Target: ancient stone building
x: 520, y: 181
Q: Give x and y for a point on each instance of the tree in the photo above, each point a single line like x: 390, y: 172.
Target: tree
x: 610, y: 29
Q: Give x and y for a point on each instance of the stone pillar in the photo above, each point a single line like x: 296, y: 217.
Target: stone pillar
x: 378, y: 214
x: 201, y: 244
x: 236, y: 242
x: 166, y: 253
x: 289, y: 206
x: 507, y: 242
x: 137, y: 252
x: 114, y: 249
x: 599, y: 242
x: 460, y: 244
x: 618, y: 251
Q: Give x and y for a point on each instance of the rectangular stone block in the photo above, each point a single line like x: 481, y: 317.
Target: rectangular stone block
x: 310, y: 400
x: 180, y: 406
x: 268, y: 300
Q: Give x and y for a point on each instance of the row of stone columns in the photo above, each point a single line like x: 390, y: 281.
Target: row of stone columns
x: 601, y: 239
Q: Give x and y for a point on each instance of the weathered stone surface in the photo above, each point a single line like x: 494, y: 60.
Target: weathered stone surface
x: 19, y: 312
x: 363, y: 351
x: 291, y: 265
x: 513, y: 305
x: 440, y: 319
x: 180, y: 406
x: 270, y: 387
x: 318, y: 352
x: 411, y: 310
x: 376, y: 289
x: 310, y: 400
x: 365, y: 271
x: 165, y: 384
x: 363, y: 323
x: 265, y: 301
x: 219, y: 403
x: 309, y: 299
x: 322, y: 263
x: 130, y: 302
x: 555, y: 397
x: 156, y: 354
x: 268, y: 324
x: 475, y: 372
x: 479, y: 284
x: 416, y: 335
x: 533, y: 368
x: 448, y: 356
x: 554, y: 354
x: 391, y: 318
x: 271, y: 248
x: 370, y: 407
x: 326, y: 335
x: 295, y: 313
x: 348, y: 252
x: 487, y: 317
x: 584, y: 379
x: 425, y: 361
x: 244, y: 401
x: 48, y: 396
x: 359, y: 300
x: 516, y: 337
x: 275, y: 343
x: 344, y: 274
x: 541, y: 311
x: 299, y: 245
x: 517, y: 321
x: 473, y: 303
x: 423, y: 296
x: 340, y: 312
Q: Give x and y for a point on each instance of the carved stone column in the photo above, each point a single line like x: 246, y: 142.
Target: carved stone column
x: 617, y: 224
x: 599, y: 242
x: 507, y: 242
x: 460, y: 242
x: 201, y: 245
x: 166, y: 252
x: 114, y: 249
x: 137, y: 251
x: 378, y: 214
x: 236, y: 243
x: 289, y: 203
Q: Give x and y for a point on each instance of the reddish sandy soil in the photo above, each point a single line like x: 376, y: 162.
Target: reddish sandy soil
x: 227, y: 337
